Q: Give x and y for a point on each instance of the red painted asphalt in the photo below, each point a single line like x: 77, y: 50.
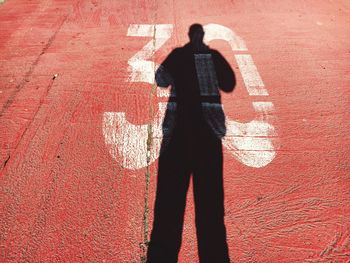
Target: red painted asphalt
x: 65, y: 198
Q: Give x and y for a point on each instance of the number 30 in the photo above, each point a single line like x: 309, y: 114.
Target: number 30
x: 252, y: 143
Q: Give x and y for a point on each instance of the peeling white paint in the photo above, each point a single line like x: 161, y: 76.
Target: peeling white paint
x: 219, y: 32
x: 161, y: 92
x: 250, y: 143
x: 128, y: 142
x: 251, y: 76
x: 265, y: 107
x: 140, y: 67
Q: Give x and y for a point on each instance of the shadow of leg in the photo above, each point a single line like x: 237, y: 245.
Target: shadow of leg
x: 209, y: 201
x: 172, y: 186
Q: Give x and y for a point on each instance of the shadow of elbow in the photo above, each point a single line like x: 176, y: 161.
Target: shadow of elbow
x: 228, y: 86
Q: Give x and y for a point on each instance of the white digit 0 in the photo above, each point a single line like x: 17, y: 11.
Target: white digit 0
x: 250, y: 143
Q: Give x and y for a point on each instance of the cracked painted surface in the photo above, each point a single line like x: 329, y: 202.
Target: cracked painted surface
x: 63, y: 66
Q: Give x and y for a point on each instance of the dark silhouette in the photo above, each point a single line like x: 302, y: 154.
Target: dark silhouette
x: 192, y: 130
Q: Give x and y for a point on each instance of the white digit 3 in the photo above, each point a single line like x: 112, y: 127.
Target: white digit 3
x: 128, y: 142
x: 250, y: 143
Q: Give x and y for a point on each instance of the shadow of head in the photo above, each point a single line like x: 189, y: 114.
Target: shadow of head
x: 196, y: 33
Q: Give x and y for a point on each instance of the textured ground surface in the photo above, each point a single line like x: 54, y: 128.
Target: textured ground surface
x: 66, y: 195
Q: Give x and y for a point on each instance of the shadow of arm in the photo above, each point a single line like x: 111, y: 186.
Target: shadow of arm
x: 163, y: 78
x: 165, y: 72
x: 225, y: 74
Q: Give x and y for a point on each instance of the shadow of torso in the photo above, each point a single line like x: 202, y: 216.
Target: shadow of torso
x: 195, y: 103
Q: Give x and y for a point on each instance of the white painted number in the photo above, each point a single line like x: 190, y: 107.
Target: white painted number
x: 250, y: 143
x: 140, y: 67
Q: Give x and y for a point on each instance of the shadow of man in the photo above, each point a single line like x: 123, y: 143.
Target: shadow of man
x: 193, y: 126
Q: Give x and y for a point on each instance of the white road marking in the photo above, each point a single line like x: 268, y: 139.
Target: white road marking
x: 219, y: 32
x: 140, y: 67
x: 128, y: 142
x: 263, y: 106
x: 265, y: 110
x: 251, y: 143
x: 161, y: 92
x: 251, y: 76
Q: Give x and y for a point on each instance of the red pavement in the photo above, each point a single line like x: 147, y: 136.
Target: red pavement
x: 65, y: 198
